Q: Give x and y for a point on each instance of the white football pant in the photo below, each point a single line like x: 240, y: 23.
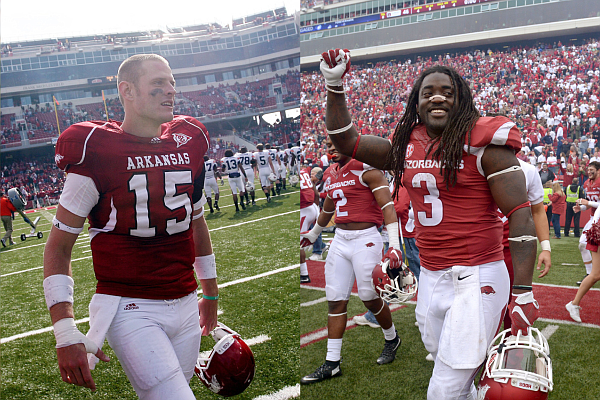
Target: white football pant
x: 308, y: 216
x: 210, y: 187
x: 237, y: 183
x: 157, y: 343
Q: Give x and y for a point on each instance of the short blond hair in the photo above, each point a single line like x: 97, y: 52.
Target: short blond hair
x: 130, y: 70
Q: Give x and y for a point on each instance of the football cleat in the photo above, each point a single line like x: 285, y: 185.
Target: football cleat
x: 517, y: 367
x: 304, y: 279
x: 329, y: 369
x: 394, y: 285
x: 388, y: 354
x: 229, y: 369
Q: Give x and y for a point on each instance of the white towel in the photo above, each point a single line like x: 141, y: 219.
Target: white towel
x: 463, y: 344
x: 103, y: 309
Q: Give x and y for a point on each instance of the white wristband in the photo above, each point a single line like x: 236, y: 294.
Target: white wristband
x: 58, y: 289
x: 66, y: 228
x: 393, y: 235
x: 67, y: 334
x: 206, y: 267
x: 545, y: 245
x: 314, y: 233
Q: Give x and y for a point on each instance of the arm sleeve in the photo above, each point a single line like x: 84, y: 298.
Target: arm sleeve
x: 79, y: 194
x: 197, y: 195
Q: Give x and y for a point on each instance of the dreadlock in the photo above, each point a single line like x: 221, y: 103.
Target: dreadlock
x: 450, y: 148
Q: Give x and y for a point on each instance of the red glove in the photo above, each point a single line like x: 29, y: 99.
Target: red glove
x: 524, y: 310
x: 395, y: 257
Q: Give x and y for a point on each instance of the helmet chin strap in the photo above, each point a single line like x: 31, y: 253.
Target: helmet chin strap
x: 437, y: 96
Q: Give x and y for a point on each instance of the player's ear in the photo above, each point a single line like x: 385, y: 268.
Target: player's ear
x: 126, y: 90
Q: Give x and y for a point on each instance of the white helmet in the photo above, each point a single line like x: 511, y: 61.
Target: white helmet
x: 250, y: 186
x: 17, y: 198
x: 294, y: 179
x: 517, y: 367
x: 272, y: 177
x: 394, y: 285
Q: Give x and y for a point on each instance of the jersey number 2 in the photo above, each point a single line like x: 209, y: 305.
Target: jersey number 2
x: 173, y: 201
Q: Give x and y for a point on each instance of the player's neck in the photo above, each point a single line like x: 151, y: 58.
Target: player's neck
x: 141, y: 127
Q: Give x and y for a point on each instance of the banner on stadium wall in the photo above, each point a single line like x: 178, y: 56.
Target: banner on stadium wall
x: 444, y: 5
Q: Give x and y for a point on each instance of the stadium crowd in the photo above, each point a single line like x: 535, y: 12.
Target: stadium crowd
x: 549, y: 90
x: 38, y: 177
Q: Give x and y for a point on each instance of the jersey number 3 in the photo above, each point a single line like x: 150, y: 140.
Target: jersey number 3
x: 433, y: 198
x: 173, y: 201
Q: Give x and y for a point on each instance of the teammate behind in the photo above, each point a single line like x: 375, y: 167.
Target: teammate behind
x: 232, y: 167
x: 264, y: 167
x: 211, y: 172
x: 358, y: 194
x: 140, y: 185
x: 245, y: 159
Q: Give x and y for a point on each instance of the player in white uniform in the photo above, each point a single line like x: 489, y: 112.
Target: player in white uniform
x: 264, y: 167
x: 246, y: 160
x: 282, y: 172
x: 233, y: 168
x: 275, y: 162
x: 297, y: 161
x: 211, y: 170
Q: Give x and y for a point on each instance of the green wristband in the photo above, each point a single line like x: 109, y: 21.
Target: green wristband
x: 210, y: 297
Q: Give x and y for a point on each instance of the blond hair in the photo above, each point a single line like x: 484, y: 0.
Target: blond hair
x: 130, y: 70
x: 557, y: 188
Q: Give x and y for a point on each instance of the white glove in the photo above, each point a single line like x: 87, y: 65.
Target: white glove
x: 335, y: 64
x: 308, y: 238
x: 67, y: 334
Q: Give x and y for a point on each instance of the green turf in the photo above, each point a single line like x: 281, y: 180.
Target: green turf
x: 575, y: 350
x: 264, y: 306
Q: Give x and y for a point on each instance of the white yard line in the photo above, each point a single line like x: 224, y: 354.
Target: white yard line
x: 287, y: 392
x: 258, y: 339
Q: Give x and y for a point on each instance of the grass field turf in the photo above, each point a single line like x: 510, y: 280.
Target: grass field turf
x: 574, y: 349
x: 260, y: 240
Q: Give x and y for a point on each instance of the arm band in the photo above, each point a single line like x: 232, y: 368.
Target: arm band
x: 526, y: 204
x: 200, y: 214
x: 210, y: 297
x: 545, y: 245
x: 504, y: 171
x: 380, y: 187
x: 328, y: 212
x: 66, y: 228
x: 336, y: 131
x: 393, y: 235
x: 521, y: 239
x: 391, y: 203
x: 356, y: 145
x: 334, y: 91
x: 593, y: 204
x: 58, y: 289
x: 206, y: 267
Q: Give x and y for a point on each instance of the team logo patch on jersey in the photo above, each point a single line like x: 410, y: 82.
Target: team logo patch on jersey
x: 487, y: 290
x: 409, y: 150
x: 57, y: 158
x: 181, y: 139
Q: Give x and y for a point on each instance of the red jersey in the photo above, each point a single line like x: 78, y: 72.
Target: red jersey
x: 459, y: 225
x: 354, y: 201
x: 592, y: 189
x: 142, y: 243
x: 307, y: 193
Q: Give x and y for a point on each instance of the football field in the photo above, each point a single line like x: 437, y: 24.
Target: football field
x: 257, y: 262
x: 574, y: 348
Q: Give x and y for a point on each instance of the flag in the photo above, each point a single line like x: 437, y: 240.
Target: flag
x: 55, y: 101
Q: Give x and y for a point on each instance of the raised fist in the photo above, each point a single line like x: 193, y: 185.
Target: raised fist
x: 335, y: 64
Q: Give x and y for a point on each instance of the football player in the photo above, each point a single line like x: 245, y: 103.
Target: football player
x: 457, y: 166
x: 360, y: 197
x: 309, y: 211
x: 232, y: 167
x: 140, y: 184
x: 211, y: 170
x: 275, y: 161
x: 281, y: 166
x: 264, y: 167
x: 246, y: 160
x: 591, y: 188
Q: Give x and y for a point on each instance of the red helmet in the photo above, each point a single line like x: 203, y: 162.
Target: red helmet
x: 517, y: 368
x: 394, y: 285
x: 229, y: 368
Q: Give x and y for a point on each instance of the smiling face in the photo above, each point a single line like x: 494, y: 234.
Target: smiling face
x: 436, y: 102
x: 335, y: 156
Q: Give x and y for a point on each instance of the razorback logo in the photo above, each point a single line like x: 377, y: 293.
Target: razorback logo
x: 57, y: 158
x: 370, y: 244
x: 181, y: 139
x: 487, y: 290
x: 409, y: 150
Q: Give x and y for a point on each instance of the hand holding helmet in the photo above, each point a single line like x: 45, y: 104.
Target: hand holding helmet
x: 524, y: 310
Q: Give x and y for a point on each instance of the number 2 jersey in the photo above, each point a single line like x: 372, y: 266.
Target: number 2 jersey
x: 354, y: 201
x: 459, y: 225
x: 140, y: 229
